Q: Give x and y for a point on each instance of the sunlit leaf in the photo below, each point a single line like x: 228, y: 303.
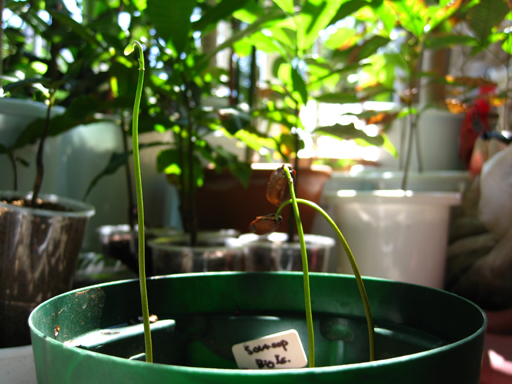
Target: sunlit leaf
x: 347, y: 132
x: 285, y: 5
x: 411, y: 15
x: 314, y: 17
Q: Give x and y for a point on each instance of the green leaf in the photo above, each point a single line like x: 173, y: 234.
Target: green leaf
x: 315, y: 16
x: 348, y: 8
x: 446, y: 41
x: 140, y: 4
x: 347, y: 132
x: 343, y: 38
x: 385, y: 14
x: 294, y: 81
x: 233, y: 120
x: 285, y: 5
x: 167, y: 162
x: 255, y: 27
x: 116, y: 161
x: 368, y: 48
x: 337, y: 98
x: 249, y: 13
x: 78, y: 28
x: 486, y: 15
x: 507, y: 44
x: 221, y: 11
x: 39, y: 80
x: 171, y: 19
x: 388, y: 146
x: 445, y: 10
x: 299, y: 85
x: 411, y: 15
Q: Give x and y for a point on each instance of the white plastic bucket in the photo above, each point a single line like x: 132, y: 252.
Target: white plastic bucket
x: 395, y: 234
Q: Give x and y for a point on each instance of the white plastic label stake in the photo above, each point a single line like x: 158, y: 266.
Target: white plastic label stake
x: 277, y: 351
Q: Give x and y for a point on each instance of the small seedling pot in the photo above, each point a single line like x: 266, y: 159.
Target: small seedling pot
x: 38, y: 254
x: 121, y: 242
x: 215, y: 251
x: 423, y: 335
x: 273, y: 252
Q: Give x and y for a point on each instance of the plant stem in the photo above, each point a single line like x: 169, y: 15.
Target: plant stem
x: 355, y: 269
x: 131, y: 218
x: 190, y: 209
x: 10, y: 154
x: 140, y: 206
x: 40, y: 153
x: 307, y: 293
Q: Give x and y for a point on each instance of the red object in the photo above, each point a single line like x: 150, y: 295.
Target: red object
x: 475, y: 123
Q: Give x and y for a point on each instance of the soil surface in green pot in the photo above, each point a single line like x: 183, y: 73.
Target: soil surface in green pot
x: 92, y: 335
x: 38, y: 251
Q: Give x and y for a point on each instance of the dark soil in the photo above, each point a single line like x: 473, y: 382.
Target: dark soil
x: 40, y: 204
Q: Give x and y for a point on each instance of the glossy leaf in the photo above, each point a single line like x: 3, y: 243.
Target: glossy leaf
x: 212, y: 15
x: 260, y: 23
x: 347, y: 132
x: 172, y: 20
x: 411, y: 15
x: 385, y: 14
x: 443, y: 12
x: 294, y: 82
x: 484, y: 16
x: 285, y: 5
x: 347, y: 8
x: 445, y: 41
x: 343, y: 38
x: 368, y: 48
x: 314, y: 17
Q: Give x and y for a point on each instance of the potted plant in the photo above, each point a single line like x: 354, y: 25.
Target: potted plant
x: 198, y: 329
x: 42, y: 233
x: 218, y: 305
x: 396, y: 206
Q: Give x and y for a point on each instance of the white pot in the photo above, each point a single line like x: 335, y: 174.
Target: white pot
x: 395, y: 234
x: 439, y: 141
x: 441, y: 181
x: 84, y: 153
x: 17, y: 365
x: 15, y: 115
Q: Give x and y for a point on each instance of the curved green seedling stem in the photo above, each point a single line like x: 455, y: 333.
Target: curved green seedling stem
x: 307, y: 293
x: 355, y: 268
x: 140, y: 207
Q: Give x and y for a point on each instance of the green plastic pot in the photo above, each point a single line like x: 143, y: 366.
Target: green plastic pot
x: 424, y: 335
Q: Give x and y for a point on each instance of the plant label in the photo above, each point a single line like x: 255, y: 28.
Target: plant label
x: 277, y: 351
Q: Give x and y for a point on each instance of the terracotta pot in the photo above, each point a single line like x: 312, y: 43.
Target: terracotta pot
x: 223, y: 202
